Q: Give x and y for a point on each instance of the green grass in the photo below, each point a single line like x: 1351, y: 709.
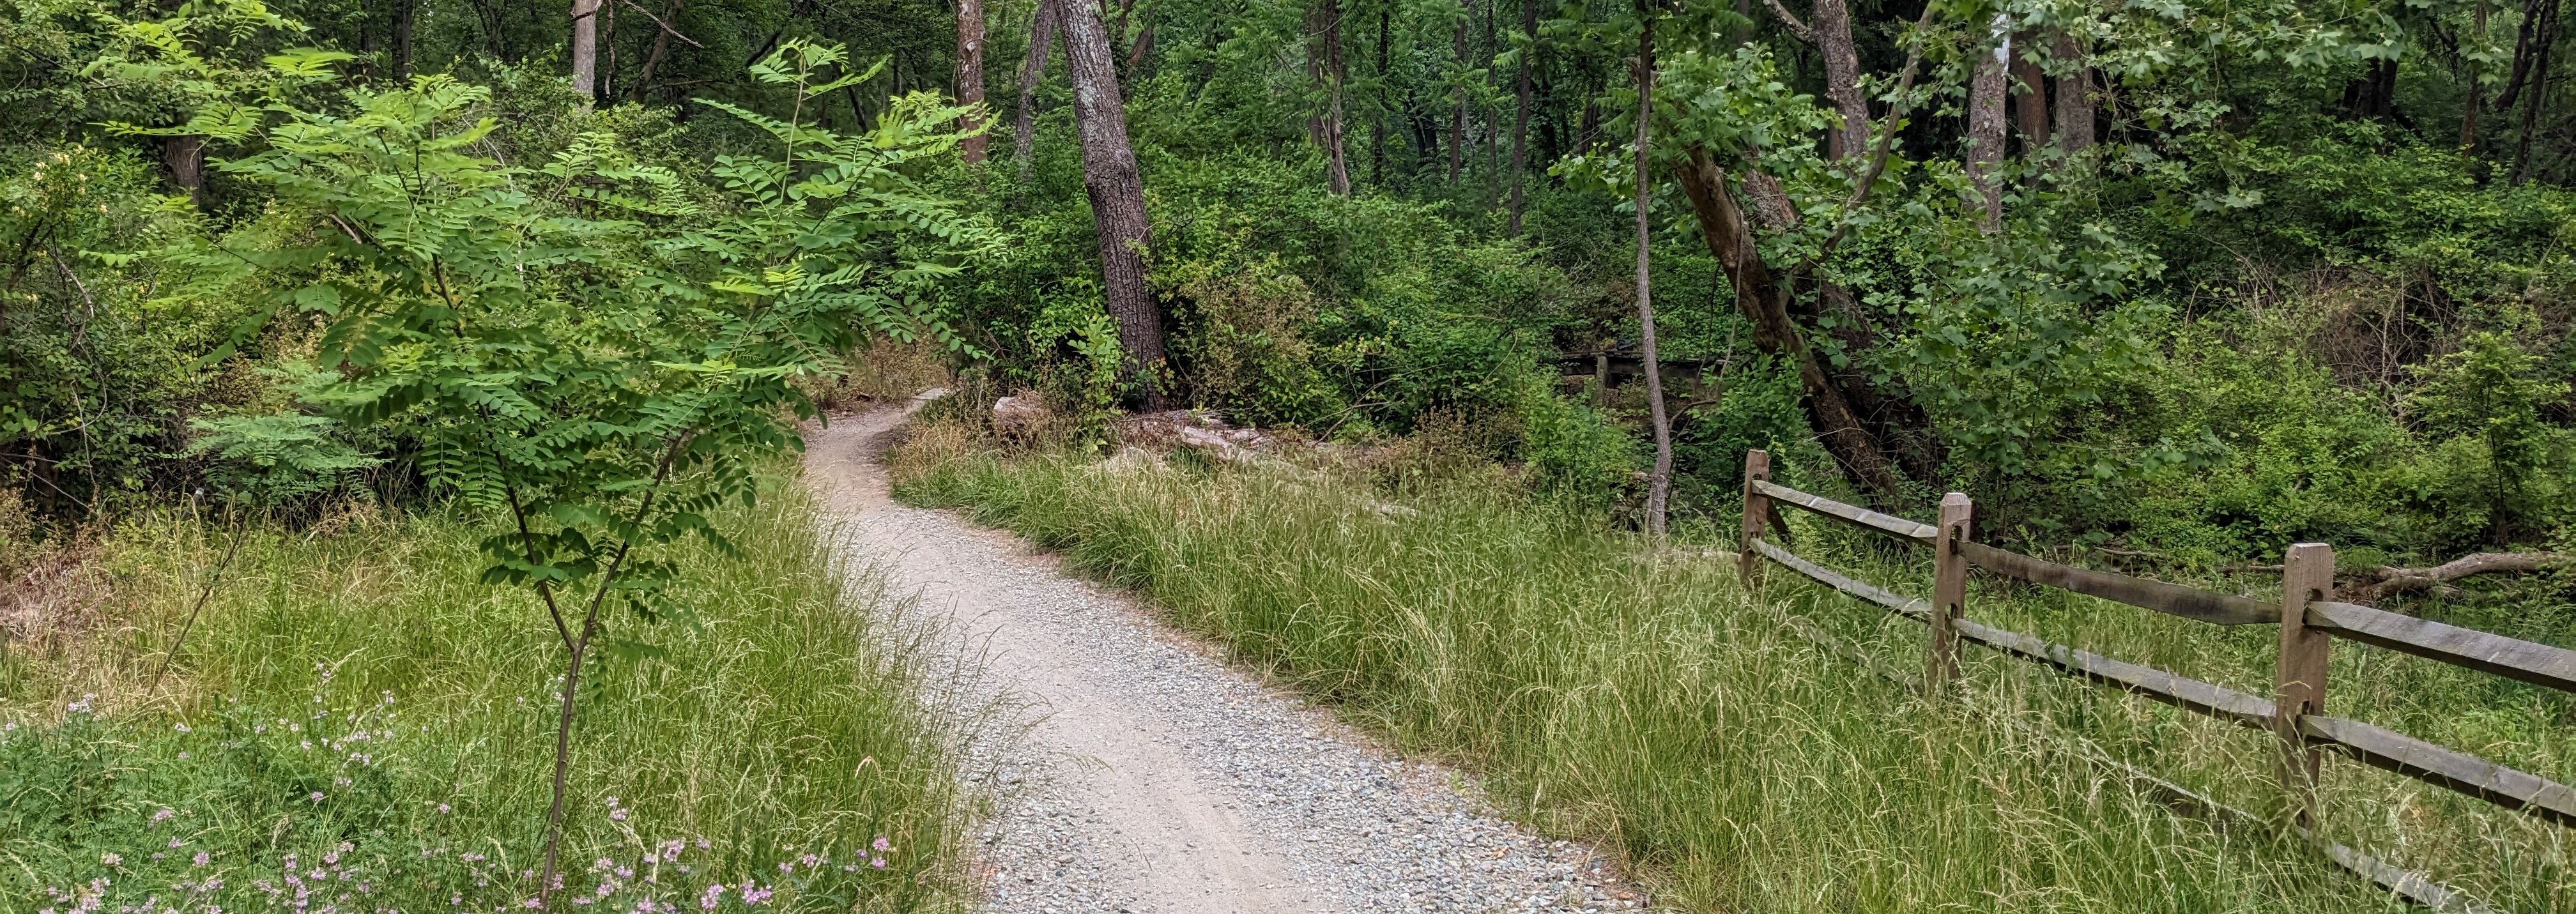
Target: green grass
x: 773, y: 727
x: 1655, y: 707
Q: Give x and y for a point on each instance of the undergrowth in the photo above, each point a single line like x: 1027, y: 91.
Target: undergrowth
x: 1649, y: 704
x: 355, y: 724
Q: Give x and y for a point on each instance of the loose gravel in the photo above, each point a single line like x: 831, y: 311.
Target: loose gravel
x: 1141, y: 774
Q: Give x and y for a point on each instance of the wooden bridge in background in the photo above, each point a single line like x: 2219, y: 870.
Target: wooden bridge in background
x: 2309, y: 617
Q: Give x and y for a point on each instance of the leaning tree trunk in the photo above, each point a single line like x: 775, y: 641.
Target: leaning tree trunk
x: 585, y: 49
x: 1117, y: 191
x: 1842, y: 77
x: 970, y: 77
x: 1764, y: 300
x: 1986, y: 128
x: 1659, y: 484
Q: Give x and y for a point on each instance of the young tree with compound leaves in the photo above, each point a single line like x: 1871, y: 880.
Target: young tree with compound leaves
x: 580, y: 347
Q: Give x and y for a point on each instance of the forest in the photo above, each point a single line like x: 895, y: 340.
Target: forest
x: 427, y: 338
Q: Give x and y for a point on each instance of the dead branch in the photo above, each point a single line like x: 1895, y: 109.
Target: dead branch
x: 2385, y: 580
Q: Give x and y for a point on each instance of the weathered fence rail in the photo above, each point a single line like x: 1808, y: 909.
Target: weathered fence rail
x: 2309, y: 620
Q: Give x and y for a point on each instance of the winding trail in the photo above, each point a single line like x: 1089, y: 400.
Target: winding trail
x: 1146, y: 776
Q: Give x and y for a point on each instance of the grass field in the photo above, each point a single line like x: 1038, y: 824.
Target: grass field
x: 356, y: 724
x: 1654, y: 706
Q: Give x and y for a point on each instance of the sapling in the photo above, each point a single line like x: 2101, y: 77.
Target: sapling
x: 582, y: 346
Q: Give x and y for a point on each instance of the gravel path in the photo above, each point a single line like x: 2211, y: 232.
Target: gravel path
x: 1150, y: 777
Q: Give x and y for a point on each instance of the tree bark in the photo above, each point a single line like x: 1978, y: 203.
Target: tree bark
x: 970, y: 77
x: 2477, y: 93
x: 1659, y: 483
x: 1324, y: 56
x: 1386, y: 103
x: 185, y: 156
x: 1117, y: 192
x: 2030, y: 99
x: 402, y: 40
x: 1458, y: 93
x: 1842, y: 75
x: 585, y: 49
x: 607, y: 75
x: 2075, y: 102
x: 1032, y: 69
x: 1764, y: 299
x: 1986, y: 127
x: 1521, y: 112
x: 2544, y: 37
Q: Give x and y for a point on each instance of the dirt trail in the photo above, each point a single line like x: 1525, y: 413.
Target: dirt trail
x: 1151, y: 778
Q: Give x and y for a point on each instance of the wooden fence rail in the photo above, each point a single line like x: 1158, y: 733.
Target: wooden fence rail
x: 2309, y: 617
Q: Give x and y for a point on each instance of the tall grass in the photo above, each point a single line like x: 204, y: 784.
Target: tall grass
x: 1656, y: 705
x: 769, y: 726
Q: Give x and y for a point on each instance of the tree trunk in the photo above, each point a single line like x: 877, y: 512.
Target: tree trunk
x: 2075, y: 102
x: 608, y: 39
x: 402, y: 40
x: 1521, y: 111
x: 2477, y: 93
x: 1986, y: 127
x: 1117, y: 191
x: 2030, y: 102
x: 1324, y: 65
x: 185, y: 156
x: 2544, y: 37
x: 1659, y: 483
x: 1386, y: 104
x: 1032, y: 69
x: 662, y: 48
x: 585, y: 49
x: 1458, y: 93
x: 1763, y: 299
x: 970, y: 77
x: 1842, y: 76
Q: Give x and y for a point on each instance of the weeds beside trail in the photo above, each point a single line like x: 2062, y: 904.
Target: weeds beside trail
x: 1645, y: 703
x: 356, y: 724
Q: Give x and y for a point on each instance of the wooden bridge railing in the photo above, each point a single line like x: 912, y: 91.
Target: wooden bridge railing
x: 2309, y: 620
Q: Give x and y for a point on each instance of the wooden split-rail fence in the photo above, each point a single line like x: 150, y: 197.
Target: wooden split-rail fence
x: 2310, y: 620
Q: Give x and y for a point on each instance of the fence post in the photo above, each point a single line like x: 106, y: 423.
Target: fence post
x: 2307, y: 574
x: 1748, y: 563
x: 1949, y: 592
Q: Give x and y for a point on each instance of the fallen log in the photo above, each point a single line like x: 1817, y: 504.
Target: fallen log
x: 2385, y: 581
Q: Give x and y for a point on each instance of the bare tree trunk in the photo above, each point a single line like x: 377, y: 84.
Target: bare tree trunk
x: 2075, y: 101
x: 1458, y: 118
x: 2544, y: 37
x: 1032, y: 69
x: 585, y: 49
x: 185, y: 156
x: 1386, y: 104
x: 1763, y: 299
x: 1986, y: 126
x: 1659, y: 483
x: 662, y: 48
x: 2477, y: 93
x: 970, y: 76
x: 2030, y: 100
x: 402, y: 40
x: 608, y: 39
x: 1117, y: 191
x: 1842, y: 75
x: 1521, y: 115
x: 1329, y: 66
